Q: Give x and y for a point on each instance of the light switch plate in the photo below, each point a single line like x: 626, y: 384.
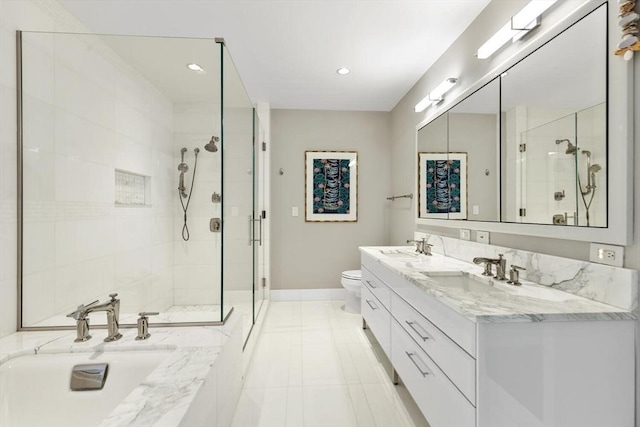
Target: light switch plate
x: 482, y: 237
x: 476, y: 210
x: 465, y: 234
x: 606, y: 254
x: 294, y: 211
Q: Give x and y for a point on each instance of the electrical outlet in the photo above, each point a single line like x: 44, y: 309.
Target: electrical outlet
x: 606, y: 254
x: 465, y: 234
x: 482, y: 237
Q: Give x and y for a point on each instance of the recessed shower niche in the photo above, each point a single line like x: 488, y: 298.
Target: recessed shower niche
x: 122, y: 148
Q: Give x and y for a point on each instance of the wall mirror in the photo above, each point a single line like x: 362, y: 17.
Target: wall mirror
x: 554, y: 106
x: 535, y: 138
x: 458, y: 160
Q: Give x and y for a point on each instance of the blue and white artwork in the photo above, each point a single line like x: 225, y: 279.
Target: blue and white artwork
x: 331, y: 186
x: 442, y: 185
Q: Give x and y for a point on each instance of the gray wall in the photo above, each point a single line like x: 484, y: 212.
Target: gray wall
x: 311, y: 255
x: 460, y: 57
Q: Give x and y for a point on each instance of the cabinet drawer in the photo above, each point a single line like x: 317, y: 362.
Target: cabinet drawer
x: 457, y: 327
x: 378, y: 319
x: 457, y: 364
x: 377, y: 287
x: 439, y: 400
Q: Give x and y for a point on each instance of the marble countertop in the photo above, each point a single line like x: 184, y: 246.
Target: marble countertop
x: 461, y: 286
x: 164, y: 396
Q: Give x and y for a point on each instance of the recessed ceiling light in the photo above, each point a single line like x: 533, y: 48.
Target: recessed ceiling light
x: 195, y: 67
x: 343, y: 71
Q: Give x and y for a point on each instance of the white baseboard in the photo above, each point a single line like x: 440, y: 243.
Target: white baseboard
x: 333, y: 294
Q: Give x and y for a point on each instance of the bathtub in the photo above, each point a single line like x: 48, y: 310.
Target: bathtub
x: 34, y: 388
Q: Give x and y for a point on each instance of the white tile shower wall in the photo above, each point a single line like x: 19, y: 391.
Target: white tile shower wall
x: 547, y: 169
x: 591, y: 136
x: 196, y: 261
x: 86, y: 114
x: 14, y: 15
x: 610, y: 285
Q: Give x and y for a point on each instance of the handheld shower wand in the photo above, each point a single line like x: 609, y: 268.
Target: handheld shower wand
x: 590, y: 177
x: 182, y: 168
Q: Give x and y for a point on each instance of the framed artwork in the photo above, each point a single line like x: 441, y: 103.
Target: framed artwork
x: 331, y: 186
x: 442, y: 185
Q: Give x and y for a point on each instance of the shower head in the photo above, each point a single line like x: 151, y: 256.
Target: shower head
x: 211, y: 145
x: 594, y: 168
x: 571, y: 149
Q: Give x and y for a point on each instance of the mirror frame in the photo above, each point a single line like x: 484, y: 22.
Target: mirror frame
x: 619, y: 140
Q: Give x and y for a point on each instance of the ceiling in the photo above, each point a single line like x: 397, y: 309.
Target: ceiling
x: 287, y: 51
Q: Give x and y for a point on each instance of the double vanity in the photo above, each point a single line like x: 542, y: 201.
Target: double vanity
x: 476, y: 351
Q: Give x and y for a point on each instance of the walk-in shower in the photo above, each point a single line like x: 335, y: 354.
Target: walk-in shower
x: 183, y: 168
x: 562, y: 168
x: 119, y: 183
x: 591, y: 170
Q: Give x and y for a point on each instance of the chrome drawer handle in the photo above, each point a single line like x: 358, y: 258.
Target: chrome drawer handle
x: 411, y: 355
x: 373, y: 307
x: 370, y: 285
x: 424, y: 338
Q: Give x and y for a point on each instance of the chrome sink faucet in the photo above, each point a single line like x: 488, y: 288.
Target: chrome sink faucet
x: 422, y: 247
x: 111, y: 307
x: 500, y: 263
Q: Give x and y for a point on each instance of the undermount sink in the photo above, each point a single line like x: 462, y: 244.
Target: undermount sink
x: 461, y: 281
x: 396, y: 253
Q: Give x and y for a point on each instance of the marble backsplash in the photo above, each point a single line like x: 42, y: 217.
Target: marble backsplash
x: 610, y: 285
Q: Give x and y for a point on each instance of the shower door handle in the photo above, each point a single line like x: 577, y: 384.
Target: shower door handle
x: 251, y: 239
x: 260, y: 230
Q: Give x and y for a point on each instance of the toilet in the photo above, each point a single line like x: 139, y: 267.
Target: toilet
x: 351, y: 281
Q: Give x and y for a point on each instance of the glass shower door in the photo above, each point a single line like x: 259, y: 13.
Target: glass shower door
x: 260, y: 219
x: 237, y: 195
x: 549, y: 185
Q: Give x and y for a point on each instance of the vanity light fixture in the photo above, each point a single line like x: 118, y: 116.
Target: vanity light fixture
x: 343, y: 71
x: 517, y: 27
x: 436, y: 95
x: 195, y: 67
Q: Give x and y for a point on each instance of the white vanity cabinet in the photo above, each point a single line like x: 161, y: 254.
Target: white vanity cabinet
x: 472, y: 373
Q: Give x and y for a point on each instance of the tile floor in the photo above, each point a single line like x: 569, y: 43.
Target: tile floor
x: 314, y: 366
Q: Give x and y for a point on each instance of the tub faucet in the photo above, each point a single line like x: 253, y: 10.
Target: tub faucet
x: 112, y: 307
x: 500, y: 263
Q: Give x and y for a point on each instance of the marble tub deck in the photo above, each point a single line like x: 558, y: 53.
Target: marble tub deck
x: 162, y: 398
x: 492, y: 300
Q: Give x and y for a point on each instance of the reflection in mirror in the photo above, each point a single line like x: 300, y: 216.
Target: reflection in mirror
x: 433, y: 192
x: 473, y: 135
x: 555, y: 124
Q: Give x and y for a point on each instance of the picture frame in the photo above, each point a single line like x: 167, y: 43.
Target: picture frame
x: 331, y: 186
x: 442, y: 185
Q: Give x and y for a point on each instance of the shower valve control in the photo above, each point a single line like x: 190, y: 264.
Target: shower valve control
x: 143, y: 325
x: 215, y: 225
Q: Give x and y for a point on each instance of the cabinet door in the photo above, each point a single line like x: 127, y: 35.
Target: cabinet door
x: 377, y: 287
x: 439, y: 400
x: 378, y: 319
x: 456, y: 363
